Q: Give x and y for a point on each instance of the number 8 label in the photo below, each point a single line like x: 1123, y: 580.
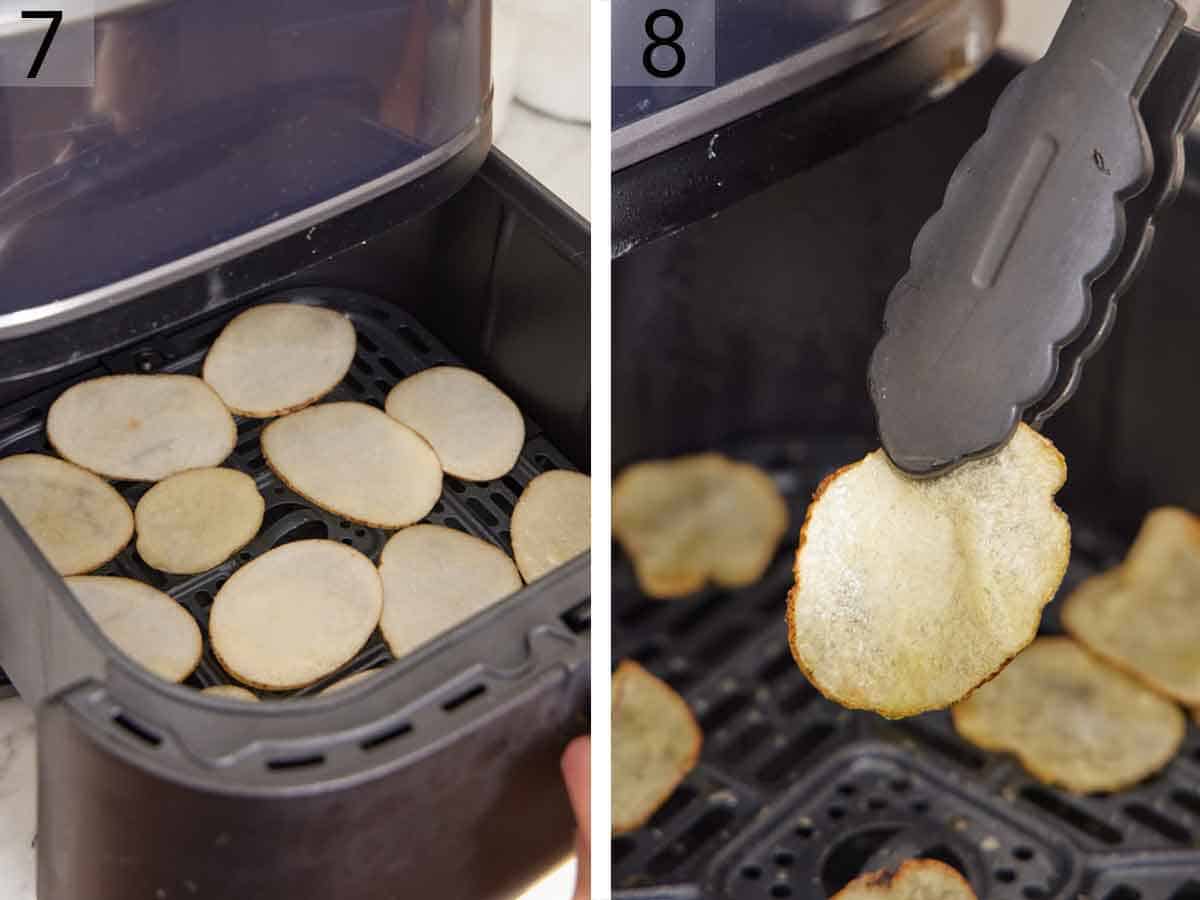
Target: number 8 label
x: 668, y: 41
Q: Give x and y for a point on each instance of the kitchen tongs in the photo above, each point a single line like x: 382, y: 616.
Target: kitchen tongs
x: 1048, y: 219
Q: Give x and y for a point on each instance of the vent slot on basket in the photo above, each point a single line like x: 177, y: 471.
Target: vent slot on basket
x: 795, y: 752
x: 848, y: 858
x: 1123, y: 892
x: 578, y: 618
x: 295, y: 762
x: 1158, y: 823
x: 1074, y: 816
x: 1188, y: 891
x: 385, y: 737
x: 952, y: 749
x: 464, y: 697
x: 138, y: 730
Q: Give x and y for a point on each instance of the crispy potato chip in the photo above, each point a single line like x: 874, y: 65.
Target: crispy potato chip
x: 295, y: 614
x: 279, y: 357
x: 348, y: 681
x: 76, y: 518
x: 435, y: 578
x: 149, y: 627
x: 655, y: 743
x: 685, y: 521
x: 193, y: 521
x: 475, y: 428
x: 1144, y: 616
x: 231, y: 692
x: 915, y: 879
x: 1072, y: 720
x: 141, y: 427
x: 909, y: 594
x: 355, y: 461
x: 552, y: 522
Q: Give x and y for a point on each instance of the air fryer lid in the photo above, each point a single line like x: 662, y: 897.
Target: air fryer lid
x: 213, y: 128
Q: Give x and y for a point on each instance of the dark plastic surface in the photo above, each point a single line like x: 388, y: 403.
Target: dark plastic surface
x: 752, y: 331
x: 749, y: 37
x: 1001, y: 276
x: 440, y: 774
x: 209, y: 120
x: 748, y: 153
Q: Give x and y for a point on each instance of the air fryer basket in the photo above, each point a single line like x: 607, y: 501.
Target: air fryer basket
x: 439, y: 776
x: 750, y: 332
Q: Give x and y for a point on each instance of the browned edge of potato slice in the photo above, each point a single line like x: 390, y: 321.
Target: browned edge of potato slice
x: 913, y: 879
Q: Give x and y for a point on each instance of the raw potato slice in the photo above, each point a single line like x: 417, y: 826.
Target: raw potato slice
x: 141, y: 427
x: 295, y: 614
x: 910, y: 594
x: 146, y: 624
x: 475, y: 428
x: 1144, y: 616
x: 231, y: 692
x: 348, y: 681
x: 655, y: 743
x: 552, y: 522
x: 685, y: 521
x: 76, y: 519
x: 279, y: 357
x: 1072, y: 720
x: 355, y: 461
x: 196, y: 520
x: 435, y: 578
x: 915, y: 879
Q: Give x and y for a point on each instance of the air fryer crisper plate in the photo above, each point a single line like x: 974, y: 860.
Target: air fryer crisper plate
x: 794, y: 795
x: 483, y: 662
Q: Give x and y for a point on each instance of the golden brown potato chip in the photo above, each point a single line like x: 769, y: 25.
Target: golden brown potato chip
x: 689, y: 520
x: 77, y: 519
x: 148, y: 625
x: 1072, y: 720
x: 655, y: 743
x: 1144, y: 616
x: 195, y: 520
x: 141, y: 427
x: 552, y: 522
x: 915, y: 879
x: 911, y: 593
x: 349, y: 681
x: 279, y: 357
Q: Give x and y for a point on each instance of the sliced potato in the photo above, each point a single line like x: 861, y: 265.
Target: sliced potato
x: 1072, y: 720
x: 141, y: 427
x: 655, y: 743
x: 355, y: 461
x: 295, y: 614
x: 76, y: 519
x: 1144, y: 616
x: 914, y: 879
x: 689, y: 520
x: 193, y: 521
x: 146, y: 624
x: 348, y: 681
x: 475, y: 428
x: 231, y: 692
x: 435, y: 578
x: 552, y: 522
x: 279, y: 357
x: 909, y: 594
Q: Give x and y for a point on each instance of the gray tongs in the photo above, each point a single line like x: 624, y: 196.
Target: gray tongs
x: 1047, y: 220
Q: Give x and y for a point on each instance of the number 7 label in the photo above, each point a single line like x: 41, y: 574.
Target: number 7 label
x: 47, y: 44
x: 664, y: 43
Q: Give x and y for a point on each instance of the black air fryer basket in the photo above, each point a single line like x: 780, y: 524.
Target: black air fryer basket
x: 439, y: 777
x: 750, y: 332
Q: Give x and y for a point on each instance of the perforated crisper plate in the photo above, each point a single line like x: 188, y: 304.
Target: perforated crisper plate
x: 795, y: 796
x: 391, y: 346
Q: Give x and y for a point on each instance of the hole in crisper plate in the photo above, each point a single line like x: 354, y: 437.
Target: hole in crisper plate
x: 797, y: 749
x: 1190, y: 890
x: 846, y: 860
x: 1158, y: 823
x: 304, y: 532
x: 691, y: 841
x: 579, y: 617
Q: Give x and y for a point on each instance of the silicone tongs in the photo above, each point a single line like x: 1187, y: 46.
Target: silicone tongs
x: 1048, y: 219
